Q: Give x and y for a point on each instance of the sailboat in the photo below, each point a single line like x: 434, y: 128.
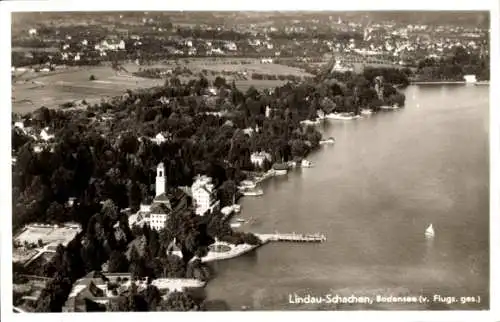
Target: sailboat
x: 429, y: 232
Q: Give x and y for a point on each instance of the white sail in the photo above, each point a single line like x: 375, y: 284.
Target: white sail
x: 429, y: 232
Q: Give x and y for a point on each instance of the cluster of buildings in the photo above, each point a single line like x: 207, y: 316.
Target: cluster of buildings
x: 43, y: 139
x: 165, y: 204
x: 105, y: 288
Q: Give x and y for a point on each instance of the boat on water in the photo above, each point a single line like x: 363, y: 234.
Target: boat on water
x: 366, y: 112
x: 280, y: 169
x: 306, y: 164
x: 253, y: 192
x: 235, y: 225
x: 429, y: 232
x: 330, y: 140
x: 342, y: 116
x: 247, y: 184
x: 387, y: 107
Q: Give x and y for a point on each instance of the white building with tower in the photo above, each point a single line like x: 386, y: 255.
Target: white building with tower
x: 156, y: 213
x: 204, y: 195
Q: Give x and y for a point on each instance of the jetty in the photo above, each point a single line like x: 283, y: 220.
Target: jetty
x: 292, y: 237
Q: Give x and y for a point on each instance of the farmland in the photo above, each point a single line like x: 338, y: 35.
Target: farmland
x: 32, y: 90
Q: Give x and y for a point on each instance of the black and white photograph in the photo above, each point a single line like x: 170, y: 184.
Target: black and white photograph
x: 249, y: 160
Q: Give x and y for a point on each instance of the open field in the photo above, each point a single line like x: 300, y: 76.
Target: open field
x: 48, y: 234
x: 32, y: 90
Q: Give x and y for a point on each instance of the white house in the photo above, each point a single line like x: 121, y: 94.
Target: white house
x: 32, y: 32
x: 248, y: 131
x: 121, y: 45
x: 37, y: 148
x: 77, y: 57
x: 161, y: 137
x: 266, y: 61
x: 258, y: 158
x: 44, y: 134
x: 19, y: 125
x: 212, y: 91
x: 204, y: 195
x: 231, y: 46
x: 470, y: 78
x: 216, y: 51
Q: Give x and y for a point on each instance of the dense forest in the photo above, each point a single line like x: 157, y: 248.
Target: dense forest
x: 103, y: 158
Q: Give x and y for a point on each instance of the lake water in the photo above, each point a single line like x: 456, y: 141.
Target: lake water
x: 373, y: 194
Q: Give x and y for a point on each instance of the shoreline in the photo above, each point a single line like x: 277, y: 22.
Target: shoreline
x: 448, y: 82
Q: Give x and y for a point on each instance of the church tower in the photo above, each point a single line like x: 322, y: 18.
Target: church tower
x: 161, y: 179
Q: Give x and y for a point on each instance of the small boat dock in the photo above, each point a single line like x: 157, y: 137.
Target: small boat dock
x: 292, y: 237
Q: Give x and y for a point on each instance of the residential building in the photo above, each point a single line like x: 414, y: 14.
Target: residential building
x: 258, y: 158
x: 231, y: 46
x: 162, y: 137
x: 204, y: 195
x: 19, y: 125
x: 44, y: 134
x: 470, y: 78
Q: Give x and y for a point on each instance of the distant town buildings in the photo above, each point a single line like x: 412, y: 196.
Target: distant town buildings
x: 110, y: 45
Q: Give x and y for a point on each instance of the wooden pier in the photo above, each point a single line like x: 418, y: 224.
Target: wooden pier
x: 292, y: 237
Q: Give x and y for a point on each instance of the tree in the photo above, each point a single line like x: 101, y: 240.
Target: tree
x: 55, y: 212
x: 110, y: 210
x: 137, y: 265
x: 219, y: 82
x: 180, y: 301
x: 152, y: 297
x: 134, y: 195
x: 118, y: 262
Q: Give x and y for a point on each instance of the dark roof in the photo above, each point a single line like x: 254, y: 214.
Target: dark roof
x: 159, y: 209
x: 161, y: 197
x: 94, y: 290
